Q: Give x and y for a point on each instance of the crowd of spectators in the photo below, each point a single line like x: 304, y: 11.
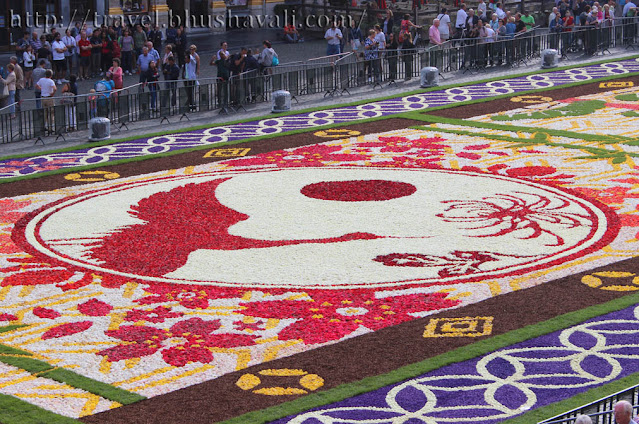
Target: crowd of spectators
x: 107, y: 54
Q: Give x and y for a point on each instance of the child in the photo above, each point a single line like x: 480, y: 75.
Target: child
x: 93, y: 103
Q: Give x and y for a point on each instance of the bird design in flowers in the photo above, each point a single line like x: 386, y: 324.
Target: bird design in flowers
x: 204, y: 224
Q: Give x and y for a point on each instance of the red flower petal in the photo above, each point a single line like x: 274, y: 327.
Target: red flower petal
x: 182, y: 355
x: 472, y: 156
x: 8, y: 317
x: 195, y: 326
x: 46, y: 313
x: 134, y: 333
x: 229, y: 340
x: 32, y: 278
x: 95, y: 308
x: 128, y: 351
x: 67, y: 329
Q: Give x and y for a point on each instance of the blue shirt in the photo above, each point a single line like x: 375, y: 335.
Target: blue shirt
x: 156, y: 56
x: 510, y: 29
x: 143, y: 61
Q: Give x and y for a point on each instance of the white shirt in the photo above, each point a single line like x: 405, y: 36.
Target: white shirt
x: 444, y: 28
x: 333, y: 33
x: 222, y: 51
x: 481, y: 10
x: 57, y: 45
x: 381, y: 39
x: 46, y: 86
x: 461, y: 18
x: 70, y: 43
x: 500, y: 13
x: 490, y: 33
x: 28, y: 59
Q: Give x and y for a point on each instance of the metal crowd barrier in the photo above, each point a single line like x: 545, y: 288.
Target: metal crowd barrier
x: 600, y: 411
x: 331, y: 75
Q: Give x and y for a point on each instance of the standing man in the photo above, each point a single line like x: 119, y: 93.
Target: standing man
x: 35, y: 41
x: 96, y: 52
x: 433, y: 33
x: 152, y: 52
x: 460, y: 20
x: 17, y: 69
x: 172, y: 75
x: 71, y: 52
x: 623, y: 413
x: 181, y: 45
x: 21, y: 45
x: 38, y: 73
x: 333, y: 36
x: 529, y: 20
x: 155, y: 36
x: 139, y: 38
x: 444, y: 25
x: 47, y: 87
x: 59, y: 61
x: 85, y: 55
x: 143, y: 63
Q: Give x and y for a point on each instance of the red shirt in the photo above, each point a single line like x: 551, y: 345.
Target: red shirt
x: 84, y: 53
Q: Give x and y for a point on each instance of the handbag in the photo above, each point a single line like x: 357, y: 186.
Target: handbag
x: 275, y: 61
x: 5, y: 91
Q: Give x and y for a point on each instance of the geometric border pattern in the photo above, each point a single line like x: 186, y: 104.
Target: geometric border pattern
x: 11, y: 168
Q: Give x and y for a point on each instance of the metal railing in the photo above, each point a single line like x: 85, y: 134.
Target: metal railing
x: 601, y: 410
x: 330, y: 75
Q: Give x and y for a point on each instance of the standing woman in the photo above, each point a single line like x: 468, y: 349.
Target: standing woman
x: 371, y: 54
x: 69, y: 93
x: 180, y: 44
x: 195, y: 59
x: 407, y: 53
x: 387, y: 24
x: 126, y: 45
x: 190, y: 77
x: 10, y: 82
x: 107, y: 52
x: 355, y: 36
x: 404, y: 28
x: 152, y: 78
x: 391, y: 53
x: 268, y: 57
x: 117, y: 73
x: 28, y: 59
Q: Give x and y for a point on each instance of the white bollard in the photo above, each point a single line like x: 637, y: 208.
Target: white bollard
x: 549, y: 58
x: 99, y: 129
x: 281, y: 101
x: 429, y: 77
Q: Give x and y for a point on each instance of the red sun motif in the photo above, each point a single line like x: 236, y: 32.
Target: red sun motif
x: 358, y: 191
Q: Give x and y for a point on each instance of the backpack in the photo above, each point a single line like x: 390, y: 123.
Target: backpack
x: 275, y: 61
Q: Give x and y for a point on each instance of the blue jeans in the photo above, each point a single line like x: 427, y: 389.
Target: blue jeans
x: 12, y: 100
x: 153, y: 89
x: 38, y: 96
x: 332, y: 49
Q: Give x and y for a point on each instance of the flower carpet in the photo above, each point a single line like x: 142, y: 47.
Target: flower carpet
x: 471, y: 264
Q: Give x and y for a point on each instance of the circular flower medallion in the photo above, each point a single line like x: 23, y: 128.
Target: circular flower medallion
x: 329, y: 227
